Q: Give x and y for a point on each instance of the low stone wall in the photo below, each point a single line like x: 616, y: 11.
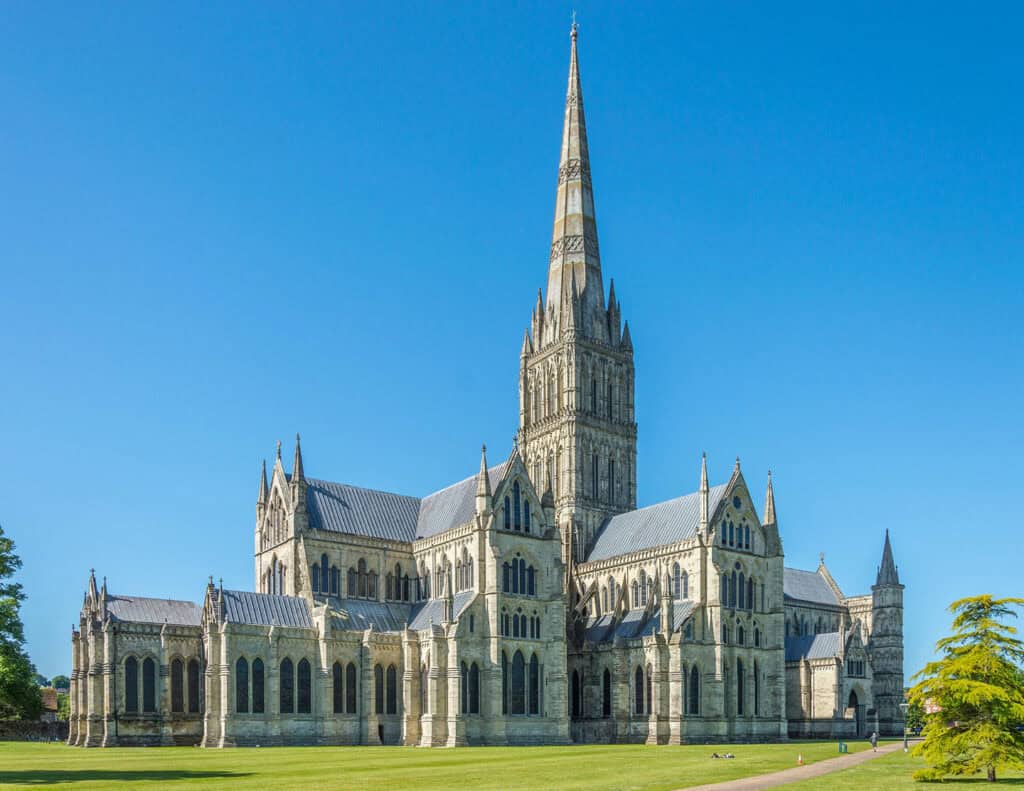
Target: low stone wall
x: 31, y: 731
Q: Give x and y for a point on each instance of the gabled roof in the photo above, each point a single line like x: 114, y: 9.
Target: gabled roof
x: 266, y: 609
x: 809, y: 586
x: 342, y: 508
x: 812, y: 646
x: 140, y: 609
x: 653, y: 526
x: 432, y: 611
x: 359, y: 615
x: 454, y: 505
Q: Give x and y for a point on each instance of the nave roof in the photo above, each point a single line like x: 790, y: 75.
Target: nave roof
x: 141, y: 609
x: 812, y: 646
x: 653, y: 526
x: 808, y: 586
x: 341, y: 508
x: 266, y: 609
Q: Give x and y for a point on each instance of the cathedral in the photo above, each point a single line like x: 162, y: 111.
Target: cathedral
x: 529, y: 603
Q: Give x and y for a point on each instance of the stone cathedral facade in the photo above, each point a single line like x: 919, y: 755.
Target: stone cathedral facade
x: 531, y: 602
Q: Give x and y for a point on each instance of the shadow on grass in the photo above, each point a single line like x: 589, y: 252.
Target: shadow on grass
x: 48, y: 777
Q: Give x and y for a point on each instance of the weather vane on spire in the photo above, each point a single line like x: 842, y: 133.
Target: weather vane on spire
x: 574, y: 25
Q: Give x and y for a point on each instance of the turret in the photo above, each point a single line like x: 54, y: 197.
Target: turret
x: 704, y: 491
x: 483, y: 485
x: 298, y: 484
x: 768, y: 520
x: 885, y: 644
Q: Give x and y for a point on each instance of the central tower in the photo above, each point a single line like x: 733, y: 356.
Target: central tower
x: 577, y: 429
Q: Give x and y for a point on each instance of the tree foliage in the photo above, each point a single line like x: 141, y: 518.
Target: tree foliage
x: 63, y: 707
x: 19, y: 694
x: 61, y: 682
x: 978, y: 685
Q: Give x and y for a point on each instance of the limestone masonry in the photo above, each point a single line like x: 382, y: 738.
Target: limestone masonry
x: 531, y: 603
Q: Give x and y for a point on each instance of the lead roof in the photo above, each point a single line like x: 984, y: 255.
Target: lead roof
x: 809, y: 586
x: 654, y: 526
x: 140, y: 609
x: 342, y: 508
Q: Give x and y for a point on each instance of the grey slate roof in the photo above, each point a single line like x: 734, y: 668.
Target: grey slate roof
x: 341, y: 508
x: 601, y: 629
x: 139, y: 609
x: 265, y: 609
x: 359, y: 615
x: 812, y: 646
x: 432, y: 611
x: 454, y: 505
x: 653, y: 526
x: 809, y: 586
x: 362, y: 512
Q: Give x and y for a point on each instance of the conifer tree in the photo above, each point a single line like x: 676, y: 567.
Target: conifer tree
x: 976, y: 693
x: 19, y: 694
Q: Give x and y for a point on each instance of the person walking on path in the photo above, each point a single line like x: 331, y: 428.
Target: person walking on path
x: 874, y: 741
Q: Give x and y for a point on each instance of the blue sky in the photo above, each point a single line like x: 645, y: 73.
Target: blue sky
x: 225, y: 223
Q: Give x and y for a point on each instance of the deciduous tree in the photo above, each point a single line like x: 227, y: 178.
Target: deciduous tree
x: 19, y: 694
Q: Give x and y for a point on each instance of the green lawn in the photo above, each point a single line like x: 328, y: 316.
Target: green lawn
x: 893, y: 772
x: 585, y: 767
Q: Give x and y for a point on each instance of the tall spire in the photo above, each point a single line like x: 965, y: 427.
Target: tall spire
x: 769, y: 504
x: 297, y: 474
x: 574, y: 240
x: 887, y: 574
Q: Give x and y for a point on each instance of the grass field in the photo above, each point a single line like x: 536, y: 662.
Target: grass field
x: 584, y: 767
x: 893, y: 772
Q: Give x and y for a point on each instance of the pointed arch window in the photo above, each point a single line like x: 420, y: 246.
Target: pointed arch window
x: 242, y: 686
x: 392, y: 681
x: 287, y: 692
x: 636, y: 594
x: 742, y: 590
x: 516, y: 506
x: 193, y: 686
x: 315, y: 574
x: 638, y: 691
x: 643, y: 588
x: 474, y: 689
x: 378, y: 689
x: 676, y: 581
x: 575, y: 709
x: 149, y: 685
x: 504, y: 683
x: 757, y: 690
x: 257, y: 686
x: 606, y: 693
x: 177, y: 687
x: 338, y: 691
x: 362, y: 578
x: 739, y: 687
x: 517, y: 692
x: 304, y: 680
x: 694, y: 696
x: 526, y: 516
x: 131, y: 685
x: 350, y: 689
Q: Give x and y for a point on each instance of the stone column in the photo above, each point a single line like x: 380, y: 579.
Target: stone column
x: 94, y: 721
x: 410, y: 689
x: 73, y: 692
x: 109, y: 685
